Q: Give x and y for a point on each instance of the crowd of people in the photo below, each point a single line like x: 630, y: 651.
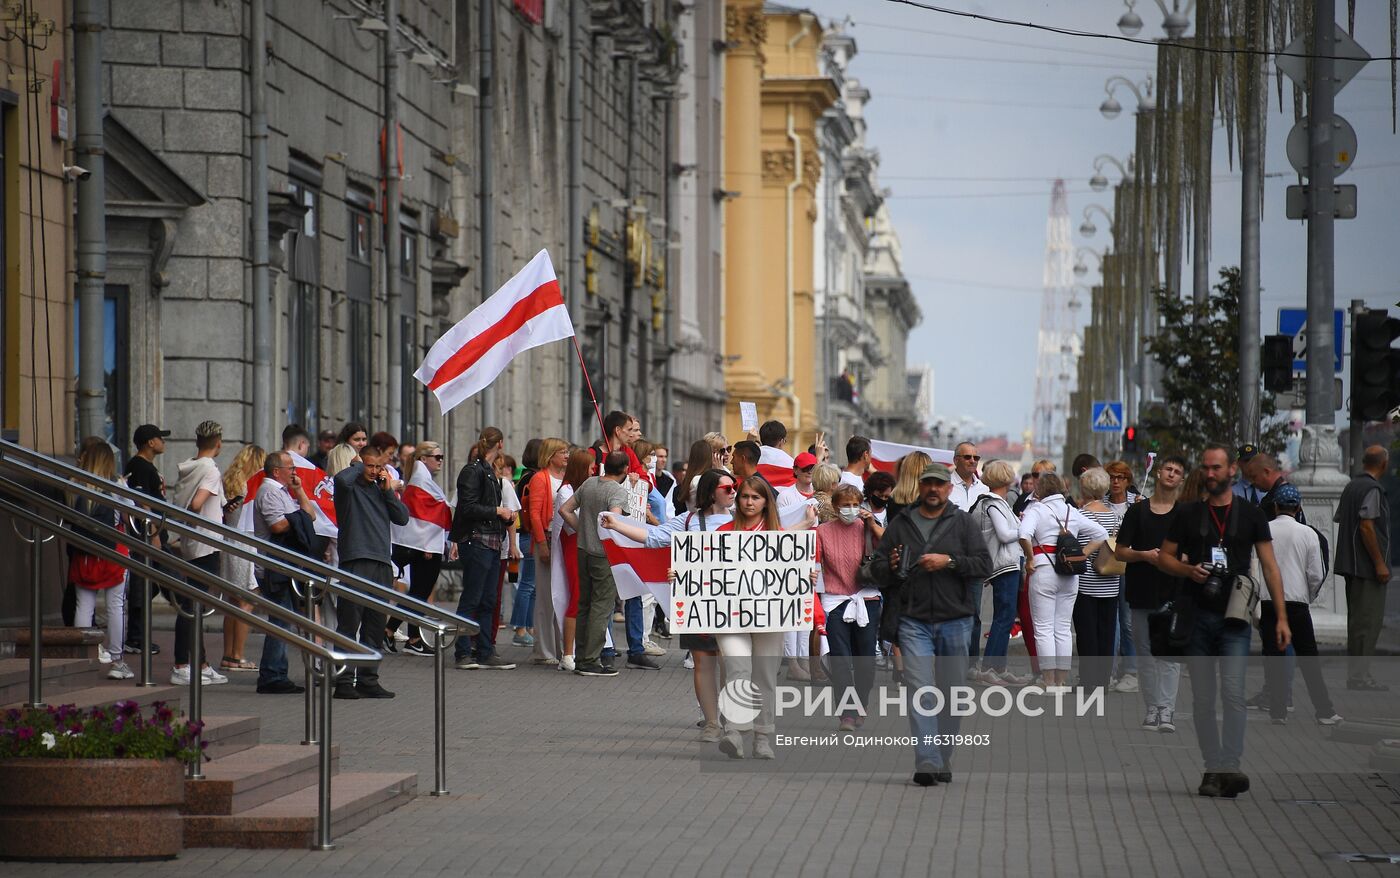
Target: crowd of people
x: 1073, y: 565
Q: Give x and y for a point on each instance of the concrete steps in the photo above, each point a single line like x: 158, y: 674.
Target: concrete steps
x: 290, y: 821
x: 60, y: 675
x: 227, y: 735
x: 241, y: 781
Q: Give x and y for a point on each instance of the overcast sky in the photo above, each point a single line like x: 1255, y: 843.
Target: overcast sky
x: 975, y: 120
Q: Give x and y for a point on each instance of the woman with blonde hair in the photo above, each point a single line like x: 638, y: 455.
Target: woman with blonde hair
x: 1000, y: 529
x: 238, y: 571
x: 90, y: 574
x: 825, y: 478
x: 339, y: 457
x: 906, y: 482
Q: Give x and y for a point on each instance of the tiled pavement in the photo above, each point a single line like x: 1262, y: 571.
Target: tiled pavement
x: 553, y: 774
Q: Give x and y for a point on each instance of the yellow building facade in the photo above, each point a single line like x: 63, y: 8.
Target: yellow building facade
x: 774, y: 94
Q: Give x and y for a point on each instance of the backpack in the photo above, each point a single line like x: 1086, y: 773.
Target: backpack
x: 1069, y: 559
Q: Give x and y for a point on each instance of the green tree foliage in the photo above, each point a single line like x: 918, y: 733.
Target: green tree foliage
x: 1197, y: 352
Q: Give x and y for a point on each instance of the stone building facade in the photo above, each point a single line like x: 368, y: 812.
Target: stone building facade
x: 898, y: 392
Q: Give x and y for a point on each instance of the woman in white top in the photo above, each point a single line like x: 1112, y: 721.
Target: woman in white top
x: 1096, y: 607
x: 716, y: 491
x: 1052, y: 594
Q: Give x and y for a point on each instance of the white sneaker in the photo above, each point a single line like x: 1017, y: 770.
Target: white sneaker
x: 103, y: 655
x: 986, y: 677
x: 566, y: 663
x: 1126, y: 683
x: 1008, y: 678
x: 120, y: 671
x: 689, y: 663
x: 212, y: 677
x: 180, y: 676
x: 1334, y: 719
x: 650, y: 648
x: 400, y: 636
x: 1166, y: 721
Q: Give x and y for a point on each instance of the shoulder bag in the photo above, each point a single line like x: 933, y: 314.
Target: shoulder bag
x: 1069, y: 558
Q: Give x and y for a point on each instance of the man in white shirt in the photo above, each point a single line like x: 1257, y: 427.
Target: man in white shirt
x: 801, y: 491
x: 1299, y: 555
x: 967, y: 487
x: 857, y: 462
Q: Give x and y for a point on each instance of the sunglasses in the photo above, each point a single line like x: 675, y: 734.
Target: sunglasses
x: 729, y: 449
x: 728, y: 489
x: 973, y: 457
x: 435, y: 456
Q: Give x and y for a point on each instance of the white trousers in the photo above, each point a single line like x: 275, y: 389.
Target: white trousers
x: 751, y: 662
x: 116, y: 614
x: 1052, y: 607
x: 796, y: 644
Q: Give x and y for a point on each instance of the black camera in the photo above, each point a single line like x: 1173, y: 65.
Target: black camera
x: 1217, y: 582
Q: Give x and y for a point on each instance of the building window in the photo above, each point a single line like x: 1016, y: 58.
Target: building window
x: 410, y: 423
x: 304, y: 307
x: 361, y: 332
x: 359, y: 289
x: 116, y: 341
x: 9, y: 288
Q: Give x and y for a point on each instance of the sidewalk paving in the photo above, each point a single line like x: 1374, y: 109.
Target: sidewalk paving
x: 554, y: 774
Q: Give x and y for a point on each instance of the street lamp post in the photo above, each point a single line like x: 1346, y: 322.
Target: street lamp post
x: 1087, y: 228
x: 1110, y: 108
x: 1099, y: 182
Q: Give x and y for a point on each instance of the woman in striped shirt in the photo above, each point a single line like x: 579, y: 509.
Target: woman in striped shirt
x: 1096, y: 607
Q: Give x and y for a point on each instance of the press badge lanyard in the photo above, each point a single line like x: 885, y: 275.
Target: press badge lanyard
x: 1217, y: 552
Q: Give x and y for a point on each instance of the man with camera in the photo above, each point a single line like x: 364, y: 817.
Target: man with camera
x: 1209, y: 545
x: 366, y: 503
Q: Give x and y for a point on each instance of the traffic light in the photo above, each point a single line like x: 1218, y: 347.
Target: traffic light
x: 1375, y: 366
x: 1277, y: 363
x: 1130, y: 437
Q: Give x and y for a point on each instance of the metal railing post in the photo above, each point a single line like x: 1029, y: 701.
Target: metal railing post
x: 439, y: 715
x: 147, y: 673
x: 36, y: 622
x: 309, y: 667
x: 323, y: 808
x: 196, y: 658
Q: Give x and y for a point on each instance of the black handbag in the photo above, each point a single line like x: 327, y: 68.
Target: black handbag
x: 1069, y: 558
x: 1169, y: 629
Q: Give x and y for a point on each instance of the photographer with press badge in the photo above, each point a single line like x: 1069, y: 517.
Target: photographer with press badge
x: 1209, y: 545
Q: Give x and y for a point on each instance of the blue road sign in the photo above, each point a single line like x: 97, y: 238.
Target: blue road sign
x: 1294, y: 322
x: 1106, y: 416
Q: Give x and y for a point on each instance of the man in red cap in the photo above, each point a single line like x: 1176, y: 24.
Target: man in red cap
x: 802, y: 490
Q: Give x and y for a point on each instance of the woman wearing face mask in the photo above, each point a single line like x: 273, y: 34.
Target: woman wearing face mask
x: 879, y: 490
x: 715, y: 499
x: 852, y: 607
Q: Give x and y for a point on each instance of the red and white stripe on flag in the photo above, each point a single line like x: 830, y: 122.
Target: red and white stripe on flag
x: 636, y: 569
x: 775, y: 465
x: 886, y: 454
x: 526, y: 312
x: 429, y: 516
x: 319, y: 487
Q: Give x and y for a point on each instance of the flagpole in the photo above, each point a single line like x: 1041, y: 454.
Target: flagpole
x: 591, y: 395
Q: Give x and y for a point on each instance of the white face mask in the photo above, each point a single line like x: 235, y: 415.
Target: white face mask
x: 849, y: 514
x: 649, y: 464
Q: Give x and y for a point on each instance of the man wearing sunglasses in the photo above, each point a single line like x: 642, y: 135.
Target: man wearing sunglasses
x: 967, y: 487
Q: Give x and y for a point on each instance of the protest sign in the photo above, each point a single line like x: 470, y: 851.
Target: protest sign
x: 742, y: 582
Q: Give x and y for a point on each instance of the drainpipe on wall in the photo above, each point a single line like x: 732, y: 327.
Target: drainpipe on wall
x: 262, y: 288
x: 789, y: 394
x: 486, y: 132
x: 393, y: 234
x: 88, y: 25
x: 574, y: 274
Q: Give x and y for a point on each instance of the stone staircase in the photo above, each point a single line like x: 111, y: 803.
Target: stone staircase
x: 253, y: 794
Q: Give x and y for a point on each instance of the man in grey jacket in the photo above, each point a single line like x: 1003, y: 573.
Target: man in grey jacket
x: 929, y: 560
x: 365, y: 506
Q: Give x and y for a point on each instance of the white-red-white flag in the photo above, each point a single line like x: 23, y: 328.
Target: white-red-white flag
x: 775, y: 465
x: 319, y: 487
x: 526, y: 312
x: 884, y: 455
x: 429, y: 515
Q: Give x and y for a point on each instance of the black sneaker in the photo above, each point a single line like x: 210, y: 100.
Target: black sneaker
x: 925, y: 778
x: 281, y: 687
x: 135, y: 648
x: 417, y: 647
x: 390, y: 645
x: 1232, y: 783
x: 642, y: 662
x: 495, y: 663
x: 370, y: 690
x: 596, y: 669
x: 346, y: 691
x: 1210, y: 785
x: 944, y: 776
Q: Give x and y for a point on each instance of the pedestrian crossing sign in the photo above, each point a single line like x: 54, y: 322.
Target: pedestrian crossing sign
x: 1107, y: 416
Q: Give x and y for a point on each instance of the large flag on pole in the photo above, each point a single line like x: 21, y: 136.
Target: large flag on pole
x: 527, y: 312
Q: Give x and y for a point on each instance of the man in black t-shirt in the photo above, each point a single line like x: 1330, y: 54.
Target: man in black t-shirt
x: 1146, y: 588
x: 1220, y: 531
x: 141, y: 473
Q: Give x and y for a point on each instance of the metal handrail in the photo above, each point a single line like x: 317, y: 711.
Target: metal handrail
x: 270, y: 556
x: 267, y: 555
x: 328, y: 656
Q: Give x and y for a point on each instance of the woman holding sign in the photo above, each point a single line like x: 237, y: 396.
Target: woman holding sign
x: 757, y: 509
x: 715, y: 502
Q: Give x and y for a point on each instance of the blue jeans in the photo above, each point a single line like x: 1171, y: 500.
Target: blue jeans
x: 1217, y: 643
x: 974, y: 641
x: 1005, y: 589
x: 272, y: 667
x: 853, y: 655
x: 1123, y: 638
x: 522, y: 610
x: 920, y: 643
x: 481, y: 568
x: 632, y: 621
